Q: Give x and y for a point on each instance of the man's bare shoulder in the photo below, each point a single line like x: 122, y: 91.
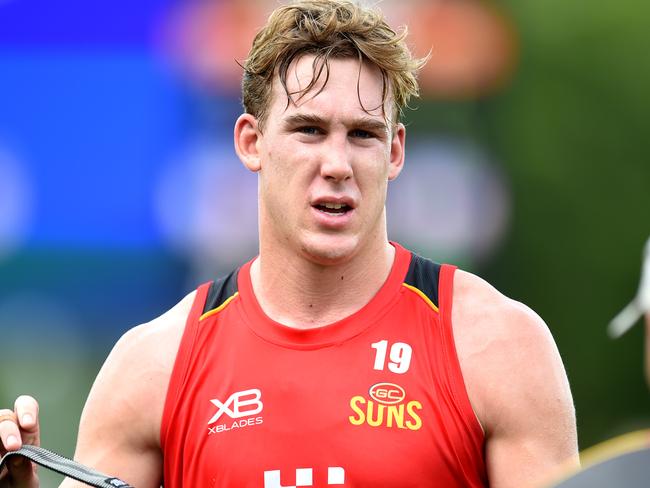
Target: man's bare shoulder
x: 160, y: 335
x: 146, y: 354
x: 129, y: 392
x: 516, y: 383
x: 507, y: 352
x: 488, y: 315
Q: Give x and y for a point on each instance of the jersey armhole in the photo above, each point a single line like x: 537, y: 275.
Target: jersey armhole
x: 461, y: 395
x: 179, y: 370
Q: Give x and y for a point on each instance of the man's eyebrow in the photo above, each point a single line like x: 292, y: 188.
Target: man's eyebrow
x: 370, y: 124
x: 365, y: 123
x: 304, y: 119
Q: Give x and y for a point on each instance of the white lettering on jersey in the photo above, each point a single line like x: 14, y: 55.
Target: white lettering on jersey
x: 238, y: 401
x: 399, y: 357
x: 304, y: 477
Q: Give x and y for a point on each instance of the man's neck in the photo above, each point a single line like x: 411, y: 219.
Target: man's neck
x: 300, y: 293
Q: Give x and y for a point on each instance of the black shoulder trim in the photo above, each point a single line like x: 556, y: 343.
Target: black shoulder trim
x: 220, y: 290
x: 424, y: 275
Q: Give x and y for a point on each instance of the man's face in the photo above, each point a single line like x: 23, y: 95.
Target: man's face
x: 324, y: 163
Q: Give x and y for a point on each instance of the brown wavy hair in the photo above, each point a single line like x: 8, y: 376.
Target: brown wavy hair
x: 328, y: 29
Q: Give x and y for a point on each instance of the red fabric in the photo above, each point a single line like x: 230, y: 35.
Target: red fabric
x: 308, y: 407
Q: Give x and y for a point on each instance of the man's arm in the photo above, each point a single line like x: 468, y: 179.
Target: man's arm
x: 119, y: 432
x: 647, y: 348
x: 516, y: 383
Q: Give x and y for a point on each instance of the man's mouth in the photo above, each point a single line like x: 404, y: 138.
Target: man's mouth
x: 333, y: 208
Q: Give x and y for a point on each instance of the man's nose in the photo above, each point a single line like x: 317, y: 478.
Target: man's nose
x: 336, y: 161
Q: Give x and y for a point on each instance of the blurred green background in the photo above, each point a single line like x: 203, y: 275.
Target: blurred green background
x: 573, y: 131
x: 91, y: 131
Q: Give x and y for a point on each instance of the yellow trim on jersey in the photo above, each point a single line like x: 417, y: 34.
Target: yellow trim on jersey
x: 209, y: 313
x: 604, y: 451
x: 632, y: 441
x: 423, y: 296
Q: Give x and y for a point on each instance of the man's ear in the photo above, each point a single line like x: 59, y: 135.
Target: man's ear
x: 247, y: 137
x: 397, y: 152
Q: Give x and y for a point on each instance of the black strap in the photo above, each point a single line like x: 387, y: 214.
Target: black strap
x: 65, y: 466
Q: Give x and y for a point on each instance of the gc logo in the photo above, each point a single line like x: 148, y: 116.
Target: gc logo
x: 387, y: 393
x: 304, y: 477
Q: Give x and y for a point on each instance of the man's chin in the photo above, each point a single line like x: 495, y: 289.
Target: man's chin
x: 330, y: 250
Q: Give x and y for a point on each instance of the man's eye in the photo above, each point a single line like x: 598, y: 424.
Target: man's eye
x: 363, y: 134
x: 309, y: 130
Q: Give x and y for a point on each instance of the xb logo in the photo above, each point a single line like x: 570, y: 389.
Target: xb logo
x: 239, y: 404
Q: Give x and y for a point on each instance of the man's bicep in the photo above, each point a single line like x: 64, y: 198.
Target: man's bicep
x: 119, y: 428
x: 533, y: 433
x: 532, y: 458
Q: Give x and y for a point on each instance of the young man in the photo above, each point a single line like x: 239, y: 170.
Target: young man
x: 335, y: 357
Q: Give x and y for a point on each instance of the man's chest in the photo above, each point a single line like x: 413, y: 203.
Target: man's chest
x: 364, y: 412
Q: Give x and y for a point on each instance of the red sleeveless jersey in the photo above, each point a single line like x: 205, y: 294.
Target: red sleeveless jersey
x: 376, y: 399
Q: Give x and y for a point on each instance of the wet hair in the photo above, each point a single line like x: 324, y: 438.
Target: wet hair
x: 328, y: 29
